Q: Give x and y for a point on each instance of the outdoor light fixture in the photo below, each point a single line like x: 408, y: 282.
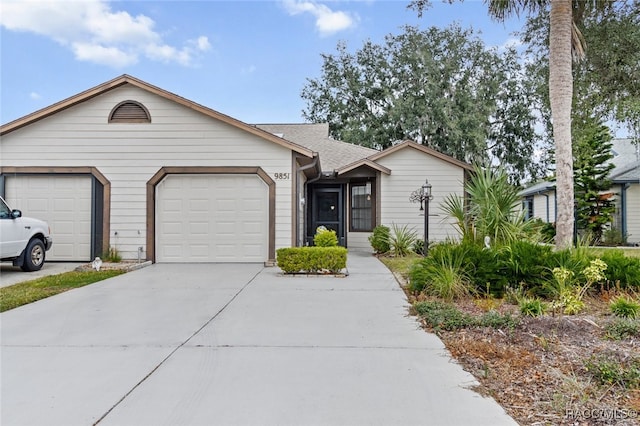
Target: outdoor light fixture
x: 423, y: 195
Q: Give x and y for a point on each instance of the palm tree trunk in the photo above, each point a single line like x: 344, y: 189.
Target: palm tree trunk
x: 561, y: 95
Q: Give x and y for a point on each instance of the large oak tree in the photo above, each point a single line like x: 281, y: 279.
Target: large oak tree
x: 440, y: 87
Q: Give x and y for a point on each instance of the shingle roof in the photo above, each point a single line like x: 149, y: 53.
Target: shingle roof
x: 627, y: 161
x: 315, y: 136
x: 626, y: 158
x: 536, y: 188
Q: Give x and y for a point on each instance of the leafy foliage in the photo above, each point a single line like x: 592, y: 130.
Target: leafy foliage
x: 607, y: 80
x: 311, y: 259
x: 379, y: 239
x: 440, y: 87
x: 608, y: 370
x: 526, y: 263
x: 325, y: 238
x: 623, y: 328
x: 445, y: 316
x: 442, y: 316
x: 532, y: 307
x: 592, y: 152
x: 622, y: 269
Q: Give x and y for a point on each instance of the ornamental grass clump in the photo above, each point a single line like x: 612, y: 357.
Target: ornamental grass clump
x: 625, y: 307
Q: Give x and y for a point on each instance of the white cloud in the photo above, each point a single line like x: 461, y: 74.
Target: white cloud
x: 95, y: 33
x: 248, y: 70
x: 34, y: 95
x: 201, y: 43
x: 512, y: 42
x: 327, y: 21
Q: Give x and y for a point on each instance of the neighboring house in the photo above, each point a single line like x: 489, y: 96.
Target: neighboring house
x: 539, y: 200
x: 131, y: 166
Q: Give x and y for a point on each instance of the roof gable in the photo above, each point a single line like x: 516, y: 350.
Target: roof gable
x: 127, y: 79
x: 424, y: 149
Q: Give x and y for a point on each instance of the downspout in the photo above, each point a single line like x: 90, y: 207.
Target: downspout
x: 623, y: 209
x: 547, y: 205
x: 311, y: 165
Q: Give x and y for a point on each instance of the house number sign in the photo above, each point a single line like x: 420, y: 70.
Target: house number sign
x: 282, y: 176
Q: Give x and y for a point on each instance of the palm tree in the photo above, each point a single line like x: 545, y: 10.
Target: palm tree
x: 560, y: 95
x: 563, y: 39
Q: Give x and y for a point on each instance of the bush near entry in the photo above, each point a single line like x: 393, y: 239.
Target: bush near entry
x: 311, y: 259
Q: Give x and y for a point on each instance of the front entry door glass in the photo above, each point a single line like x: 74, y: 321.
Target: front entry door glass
x: 327, y: 210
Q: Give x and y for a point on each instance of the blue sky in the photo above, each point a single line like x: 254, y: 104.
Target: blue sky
x: 246, y: 59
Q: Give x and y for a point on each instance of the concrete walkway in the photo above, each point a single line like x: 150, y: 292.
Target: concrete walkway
x: 220, y: 344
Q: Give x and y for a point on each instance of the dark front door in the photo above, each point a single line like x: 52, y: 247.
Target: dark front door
x: 327, y: 209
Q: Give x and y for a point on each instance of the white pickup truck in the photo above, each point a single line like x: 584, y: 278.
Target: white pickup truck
x: 23, y: 240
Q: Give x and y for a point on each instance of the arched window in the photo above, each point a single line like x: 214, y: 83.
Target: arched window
x: 129, y: 112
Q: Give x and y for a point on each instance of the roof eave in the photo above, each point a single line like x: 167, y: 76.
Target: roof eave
x: 421, y: 148
x: 360, y: 163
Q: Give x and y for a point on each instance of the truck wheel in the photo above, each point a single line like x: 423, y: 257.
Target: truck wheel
x: 33, y: 256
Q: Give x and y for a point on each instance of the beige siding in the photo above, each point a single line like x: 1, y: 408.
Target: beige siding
x: 410, y: 168
x: 543, y: 205
x: 359, y: 241
x: 633, y: 213
x: 130, y: 154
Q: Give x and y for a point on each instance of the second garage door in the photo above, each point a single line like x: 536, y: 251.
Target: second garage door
x: 212, y: 218
x: 65, y: 203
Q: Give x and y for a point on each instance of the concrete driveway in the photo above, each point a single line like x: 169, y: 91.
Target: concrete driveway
x: 221, y: 344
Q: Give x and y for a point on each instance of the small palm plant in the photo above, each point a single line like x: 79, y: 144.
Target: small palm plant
x: 493, y: 210
x: 402, y: 240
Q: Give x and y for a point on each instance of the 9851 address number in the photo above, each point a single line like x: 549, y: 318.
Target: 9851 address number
x: 282, y: 176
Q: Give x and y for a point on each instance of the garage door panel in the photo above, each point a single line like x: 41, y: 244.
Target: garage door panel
x: 223, y: 218
x: 65, y: 203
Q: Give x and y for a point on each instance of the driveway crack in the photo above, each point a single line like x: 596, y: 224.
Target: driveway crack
x: 144, y: 379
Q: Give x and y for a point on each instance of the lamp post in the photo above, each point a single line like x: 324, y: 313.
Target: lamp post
x: 423, y: 195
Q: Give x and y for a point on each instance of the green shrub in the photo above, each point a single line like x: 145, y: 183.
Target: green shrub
x: 445, y: 316
x: 608, y: 371
x: 442, y: 316
x: 312, y: 259
x: 325, y: 238
x: 442, y: 273
x: 622, y: 328
x: 495, y: 319
x: 401, y: 240
x: 483, y: 269
x: 625, y: 307
x: 379, y: 239
x: 614, y: 237
x: 532, y: 307
x: 622, y: 269
x: 418, y: 247
x: 526, y: 263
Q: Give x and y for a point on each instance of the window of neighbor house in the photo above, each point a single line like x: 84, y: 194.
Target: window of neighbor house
x: 362, y: 202
x: 527, y: 205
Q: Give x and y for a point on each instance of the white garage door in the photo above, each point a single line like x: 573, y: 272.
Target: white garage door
x: 212, y: 218
x: 65, y: 203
